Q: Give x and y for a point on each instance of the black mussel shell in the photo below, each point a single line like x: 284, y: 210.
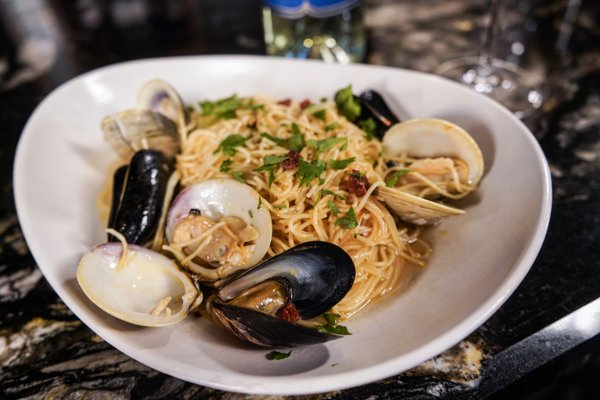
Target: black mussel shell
x: 265, y: 330
x: 318, y: 273
x: 374, y: 106
x: 140, y: 203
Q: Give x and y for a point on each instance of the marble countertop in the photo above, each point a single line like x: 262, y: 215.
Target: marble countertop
x: 551, y: 322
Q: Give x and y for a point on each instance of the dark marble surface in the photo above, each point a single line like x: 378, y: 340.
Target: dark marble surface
x: 547, y: 331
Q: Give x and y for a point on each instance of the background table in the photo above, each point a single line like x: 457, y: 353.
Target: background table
x: 543, y: 341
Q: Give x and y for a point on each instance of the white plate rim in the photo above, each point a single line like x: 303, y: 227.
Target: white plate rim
x: 301, y: 385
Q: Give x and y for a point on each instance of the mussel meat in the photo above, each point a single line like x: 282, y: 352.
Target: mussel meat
x: 269, y: 304
x: 141, y: 287
x: 218, y: 227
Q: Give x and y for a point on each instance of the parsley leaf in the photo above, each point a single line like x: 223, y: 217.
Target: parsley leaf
x: 294, y: 142
x: 229, y: 144
x: 320, y: 114
x: 332, y: 126
x: 347, y: 104
x: 341, y: 164
x: 392, y: 179
x: 307, y: 171
x: 250, y: 214
x: 334, y: 209
x: 270, y: 164
x: 331, y: 318
x: 323, y: 145
x: 238, y: 176
x: 335, y: 329
x: 279, y: 206
x: 223, y: 109
x: 369, y: 126
x: 225, y: 165
x: 325, y: 192
x: 348, y: 221
x: 277, y: 355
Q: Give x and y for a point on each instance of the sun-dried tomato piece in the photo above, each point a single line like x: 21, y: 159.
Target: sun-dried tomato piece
x: 252, y: 123
x: 357, y: 183
x: 305, y: 103
x: 292, y: 161
x: 288, y: 313
x: 285, y: 102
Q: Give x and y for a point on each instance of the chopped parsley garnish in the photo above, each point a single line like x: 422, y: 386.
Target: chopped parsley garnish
x: 332, y: 126
x: 392, y: 179
x: 229, y: 144
x: 323, y: 145
x: 332, y: 325
x: 334, y: 209
x: 250, y: 214
x: 279, y: 206
x: 294, y: 142
x: 307, y: 171
x: 347, y: 104
x: 341, y: 164
x: 238, y: 176
x: 370, y: 127
x: 223, y: 109
x: 225, y: 165
x: 334, y: 194
x: 337, y: 329
x: 331, y: 318
x: 325, y: 192
x: 348, y: 221
x: 270, y: 164
x: 319, y: 114
x: 277, y: 355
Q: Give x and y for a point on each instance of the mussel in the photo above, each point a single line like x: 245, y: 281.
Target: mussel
x: 268, y: 304
x: 217, y: 227
x: 373, y: 106
x: 141, y: 287
x: 138, y: 195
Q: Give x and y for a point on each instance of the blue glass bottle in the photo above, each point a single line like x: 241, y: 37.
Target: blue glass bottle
x: 332, y: 30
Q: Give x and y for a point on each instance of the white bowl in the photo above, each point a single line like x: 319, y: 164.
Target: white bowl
x: 479, y: 258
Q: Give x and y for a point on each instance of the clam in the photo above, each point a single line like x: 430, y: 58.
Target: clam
x: 218, y: 227
x: 141, y: 287
x: 435, y: 143
x: 136, y: 129
x: 138, y: 196
x: 433, y: 138
x: 268, y: 304
x: 157, y: 95
x: 414, y: 209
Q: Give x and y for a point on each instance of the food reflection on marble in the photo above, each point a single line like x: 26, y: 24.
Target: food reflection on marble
x: 288, y: 217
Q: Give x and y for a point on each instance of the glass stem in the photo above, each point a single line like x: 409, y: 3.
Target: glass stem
x: 488, y: 47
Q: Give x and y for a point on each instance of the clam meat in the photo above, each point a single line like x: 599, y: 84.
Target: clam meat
x: 269, y: 304
x: 218, y: 227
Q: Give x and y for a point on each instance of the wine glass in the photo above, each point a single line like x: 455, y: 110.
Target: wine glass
x: 502, y: 80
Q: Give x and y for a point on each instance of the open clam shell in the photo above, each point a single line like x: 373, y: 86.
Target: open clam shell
x: 159, y: 96
x: 146, y: 288
x: 132, y: 130
x: 430, y: 138
x: 315, y: 276
x: 216, y: 199
x: 414, y: 209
